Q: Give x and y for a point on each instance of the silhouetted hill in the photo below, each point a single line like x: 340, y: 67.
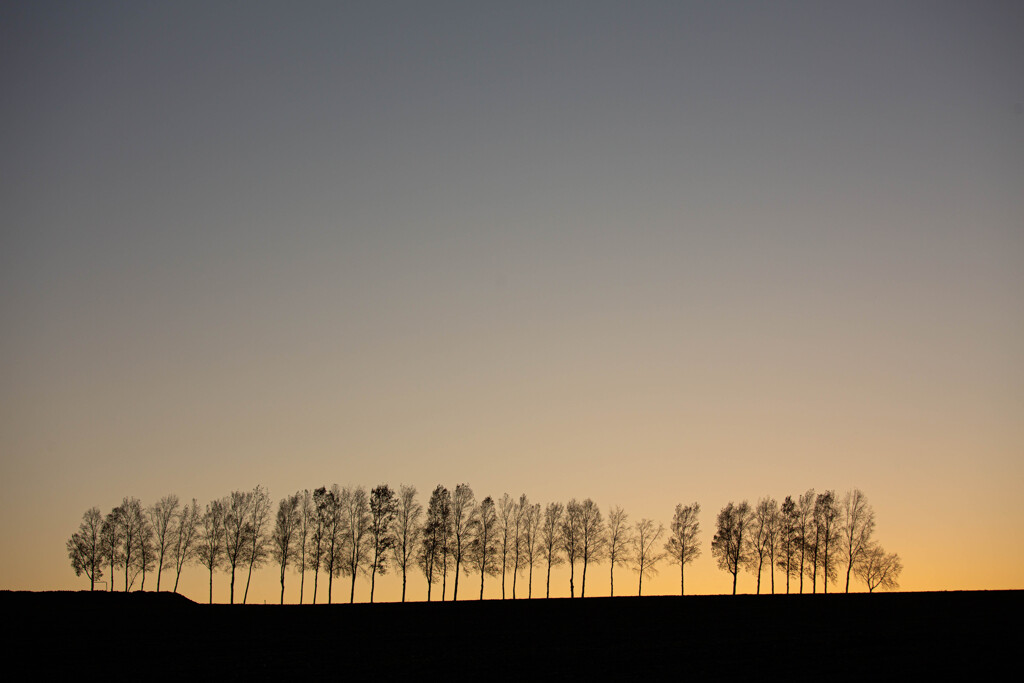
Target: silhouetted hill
x: 165, y: 636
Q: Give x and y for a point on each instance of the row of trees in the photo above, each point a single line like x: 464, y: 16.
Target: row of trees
x: 334, y: 532
x: 814, y: 536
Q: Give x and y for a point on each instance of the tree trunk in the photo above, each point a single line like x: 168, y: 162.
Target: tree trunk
x: 403, y: 585
x: 734, y: 582
x: 611, y: 580
x: 352, y: 592
x: 211, y: 585
x: 373, y: 579
x: 316, y: 579
x: 282, y: 584
x: 232, y: 584
x: 583, y: 584
x: 682, y: 587
x: 572, y: 585
x: 482, y: 583
x: 245, y: 596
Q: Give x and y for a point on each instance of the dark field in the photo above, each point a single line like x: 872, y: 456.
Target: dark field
x: 164, y: 636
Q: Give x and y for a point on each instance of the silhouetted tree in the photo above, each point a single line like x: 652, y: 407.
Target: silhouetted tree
x: 434, y: 535
x: 322, y: 511
x: 878, y: 569
x: 210, y: 549
x: 110, y: 534
x: 483, y: 541
x: 531, y: 540
x: 163, y: 516
x: 505, y: 510
x: 307, y: 517
x: 518, y: 544
x: 591, y: 538
x: 619, y: 542
x: 132, y: 521
x: 569, y: 536
x: 85, y: 547
x: 551, y: 539
x: 284, y: 538
x: 682, y: 547
x: 729, y: 545
x: 858, y: 523
x: 146, y: 552
x: 805, y: 534
x: 383, y: 509
x: 356, y: 508
x: 335, y: 536
x: 789, y: 540
x: 826, y: 520
x: 645, y: 541
x: 183, y: 549
x: 256, y: 541
x: 757, y: 539
x: 236, y: 517
x: 407, y: 530
x: 463, y: 505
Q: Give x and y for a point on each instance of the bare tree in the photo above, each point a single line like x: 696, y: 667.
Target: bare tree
x: 236, y: 517
x: 789, y: 540
x: 210, y: 549
x: 184, y: 546
x: 463, y: 504
x: 878, y: 569
x: 356, y: 509
x: 334, y: 535
x: 619, y: 542
x: 730, y: 542
x: 110, y: 534
x: 322, y: 511
x: 757, y: 540
x: 505, y: 510
x: 85, y: 547
x: 307, y: 517
x: 805, y: 518
x: 435, y: 534
x: 644, y: 543
x: 551, y: 539
x: 132, y: 520
x: 256, y: 541
x: 383, y: 509
x: 163, y: 516
x: 531, y: 541
x: 826, y: 520
x: 569, y: 537
x: 858, y: 523
x: 682, y: 547
x: 407, y: 530
x: 482, y: 548
x: 518, y: 543
x: 146, y: 551
x: 591, y: 538
x: 283, y: 540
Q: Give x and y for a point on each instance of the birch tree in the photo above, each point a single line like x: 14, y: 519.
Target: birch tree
x: 682, y: 547
x: 163, y: 515
x: 256, y: 540
x: 619, y: 541
x: 383, y: 509
x: 407, y: 530
x: 85, y: 547
x: 551, y: 539
x: 284, y: 538
x: 858, y: 523
x: 463, y: 505
x: 645, y: 540
x: 185, y: 538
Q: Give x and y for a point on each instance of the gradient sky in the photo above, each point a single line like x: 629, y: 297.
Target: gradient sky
x: 646, y: 253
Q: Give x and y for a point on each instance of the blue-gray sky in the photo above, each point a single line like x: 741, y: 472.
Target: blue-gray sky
x: 645, y: 252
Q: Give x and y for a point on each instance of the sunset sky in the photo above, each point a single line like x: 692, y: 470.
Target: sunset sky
x: 645, y: 252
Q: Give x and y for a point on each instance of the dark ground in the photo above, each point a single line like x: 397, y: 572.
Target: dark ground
x: 145, y: 636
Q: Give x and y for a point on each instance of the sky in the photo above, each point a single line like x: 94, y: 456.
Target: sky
x: 647, y: 253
